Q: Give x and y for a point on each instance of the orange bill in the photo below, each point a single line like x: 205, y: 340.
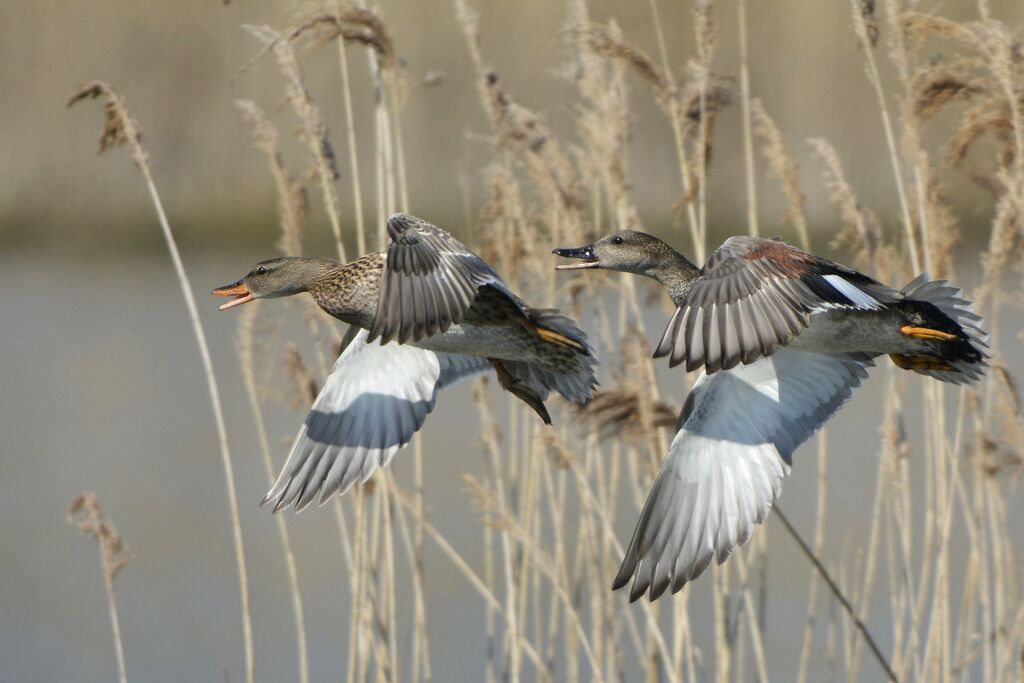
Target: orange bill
x: 236, y: 289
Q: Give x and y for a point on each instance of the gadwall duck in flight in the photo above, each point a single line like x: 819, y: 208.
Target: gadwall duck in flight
x: 450, y: 316
x: 783, y: 337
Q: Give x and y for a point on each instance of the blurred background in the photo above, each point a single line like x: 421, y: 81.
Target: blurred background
x: 178, y: 64
x: 103, y: 388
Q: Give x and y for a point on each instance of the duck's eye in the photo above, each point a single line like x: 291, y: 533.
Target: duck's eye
x: 261, y: 270
x: 617, y: 239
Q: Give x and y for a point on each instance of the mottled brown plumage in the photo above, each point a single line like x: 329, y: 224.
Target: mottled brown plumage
x: 429, y: 290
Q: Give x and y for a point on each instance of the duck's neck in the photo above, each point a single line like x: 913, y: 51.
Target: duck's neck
x: 675, y: 272
x: 349, y: 291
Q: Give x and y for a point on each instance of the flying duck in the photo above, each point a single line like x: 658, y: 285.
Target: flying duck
x: 783, y: 338
x: 425, y: 312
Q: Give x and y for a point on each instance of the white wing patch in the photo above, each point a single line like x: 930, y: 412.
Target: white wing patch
x: 856, y: 295
x: 727, y: 462
x: 375, y: 399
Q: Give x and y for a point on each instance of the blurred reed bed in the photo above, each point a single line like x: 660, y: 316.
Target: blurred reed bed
x: 550, y: 497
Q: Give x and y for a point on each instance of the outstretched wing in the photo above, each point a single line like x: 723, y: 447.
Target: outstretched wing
x: 374, y: 400
x: 430, y: 281
x: 725, y: 467
x: 754, y: 296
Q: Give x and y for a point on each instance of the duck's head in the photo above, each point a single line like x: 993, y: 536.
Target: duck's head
x: 276, y: 277
x: 629, y: 251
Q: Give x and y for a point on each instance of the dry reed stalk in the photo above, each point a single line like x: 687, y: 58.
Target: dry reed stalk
x: 490, y: 437
x: 751, y: 612
x: 86, y: 514
x: 701, y: 71
x: 675, y: 115
x: 592, y: 505
x: 388, y: 611
x: 472, y: 577
x: 356, y: 574
x: 501, y: 517
x: 418, y: 657
x: 839, y: 595
x: 379, y: 61
x: 292, y: 210
x: 372, y: 652
x: 937, y: 233
x: 120, y: 128
x: 819, y: 541
x: 867, y: 34
x: 748, y: 136
x: 865, y: 588
x: 246, y: 354
x: 344, y: 25
x: 421, y: 643
x: 353, y: 150
x: 314, y: 130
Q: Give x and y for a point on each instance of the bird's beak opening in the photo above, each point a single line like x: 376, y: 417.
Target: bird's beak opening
x: 236, y: 289
x: 585, y: 254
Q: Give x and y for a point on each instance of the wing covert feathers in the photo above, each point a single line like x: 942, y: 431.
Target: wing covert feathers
x: 430, y: 281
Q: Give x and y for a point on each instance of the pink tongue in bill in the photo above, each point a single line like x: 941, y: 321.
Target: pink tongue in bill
x: 579, y: 264
x: 238, y: 290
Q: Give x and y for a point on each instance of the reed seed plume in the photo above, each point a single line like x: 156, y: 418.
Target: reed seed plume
x: 782, y: 165
x: 936, y: 85
x: 919, y: 26
x: 604, y: 117
x: 86, y: 515
x: 608, y: 44
x: 1005, y: 239
x: 990, y: 118
x: 119, y: 127
x: 320, y: 24
x: 859, y: 228
x: 292, y: 199
x: 618, y: 414
x: 356, y: 25
x: 701, y: 101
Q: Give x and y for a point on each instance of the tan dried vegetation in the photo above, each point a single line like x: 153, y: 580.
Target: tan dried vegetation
x: 549, y: 497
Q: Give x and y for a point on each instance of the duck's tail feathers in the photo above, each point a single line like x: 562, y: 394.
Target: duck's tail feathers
x: 960, y: 359
x: 576, y: 384
x: 555, y: 328
x: 569, y: 374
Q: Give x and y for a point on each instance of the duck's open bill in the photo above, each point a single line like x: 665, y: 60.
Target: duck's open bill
x: 585, y: 254
x: 236, y: 289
